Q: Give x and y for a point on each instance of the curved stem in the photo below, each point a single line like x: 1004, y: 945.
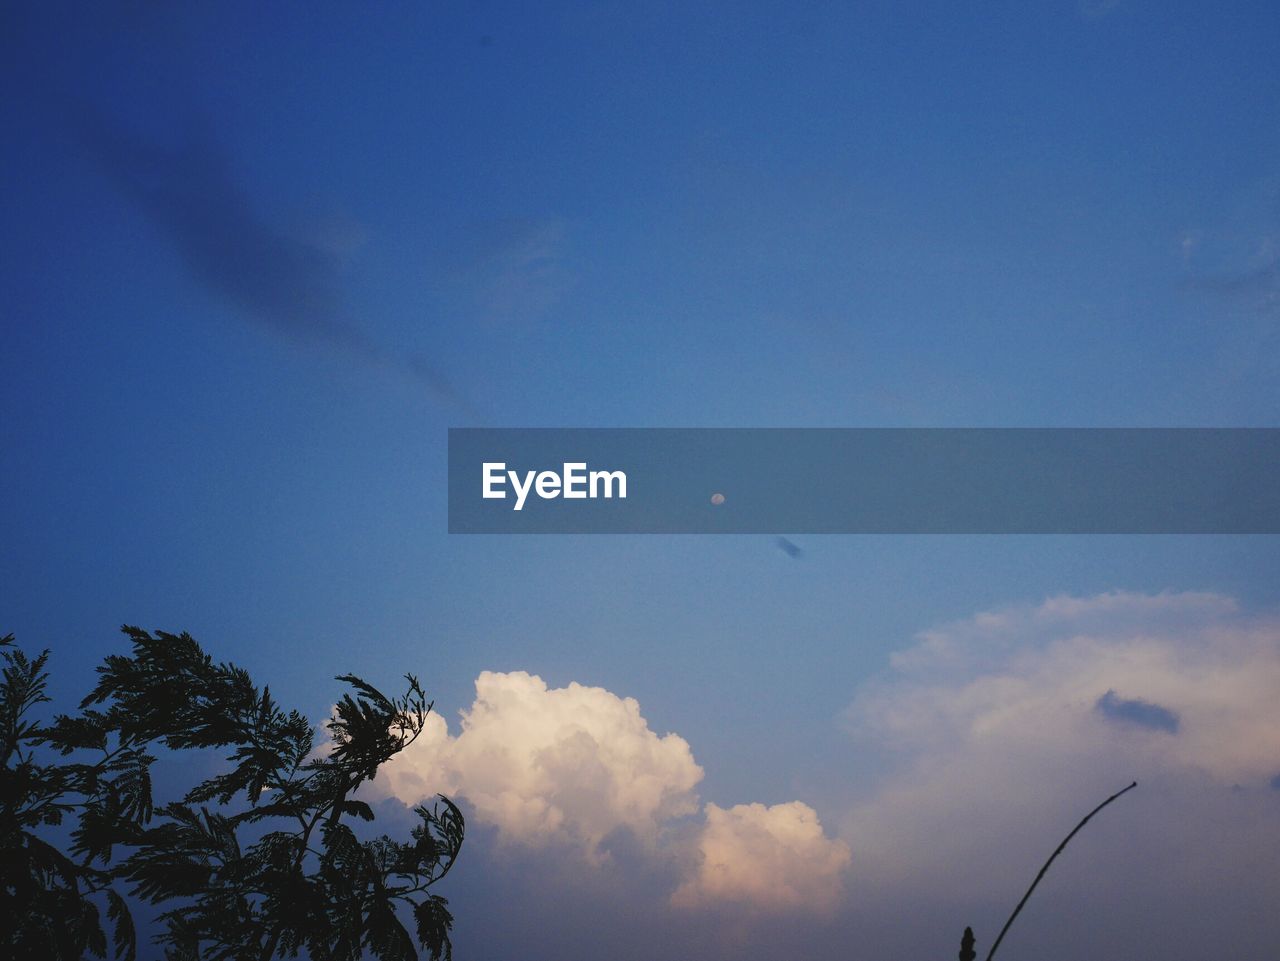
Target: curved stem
x: 1044, y: 869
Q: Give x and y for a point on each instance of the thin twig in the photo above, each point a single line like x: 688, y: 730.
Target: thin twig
x: 1016, y: 910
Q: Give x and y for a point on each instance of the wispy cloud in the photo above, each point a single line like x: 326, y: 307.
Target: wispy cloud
x: 512, y: 270
x: 1096, y: 9
x: 1236, y: 257
x: 1004, y: 725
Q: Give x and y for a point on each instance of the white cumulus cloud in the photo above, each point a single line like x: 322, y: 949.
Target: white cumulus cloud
x: 551, y: 764
x: 774, y: 858
x: 572, y: 765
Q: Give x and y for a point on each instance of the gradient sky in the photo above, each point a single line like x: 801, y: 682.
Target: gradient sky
x: 255, y: 262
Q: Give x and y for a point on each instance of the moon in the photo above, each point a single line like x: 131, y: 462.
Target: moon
x: 717, y: 498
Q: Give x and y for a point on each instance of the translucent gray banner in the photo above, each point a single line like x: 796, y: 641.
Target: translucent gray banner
x: 864, y: 481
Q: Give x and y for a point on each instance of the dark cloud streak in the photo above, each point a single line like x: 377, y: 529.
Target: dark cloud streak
x: 1139, y: 712
x: 189, y: 190
x: 788, y: 547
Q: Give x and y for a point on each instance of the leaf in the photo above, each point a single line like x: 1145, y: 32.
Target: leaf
x: 68, y: 734
x: 434, y: 924
x: 358, y: 809
x: 439, y: 837
x: 89, y: 925
x: 123, y: 934
x: 386, y: 936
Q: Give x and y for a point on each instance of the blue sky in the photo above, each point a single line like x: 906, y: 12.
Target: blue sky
x: 256, y: 263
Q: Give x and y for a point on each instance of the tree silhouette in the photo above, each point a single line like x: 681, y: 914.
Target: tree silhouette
x: 257, y: 862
